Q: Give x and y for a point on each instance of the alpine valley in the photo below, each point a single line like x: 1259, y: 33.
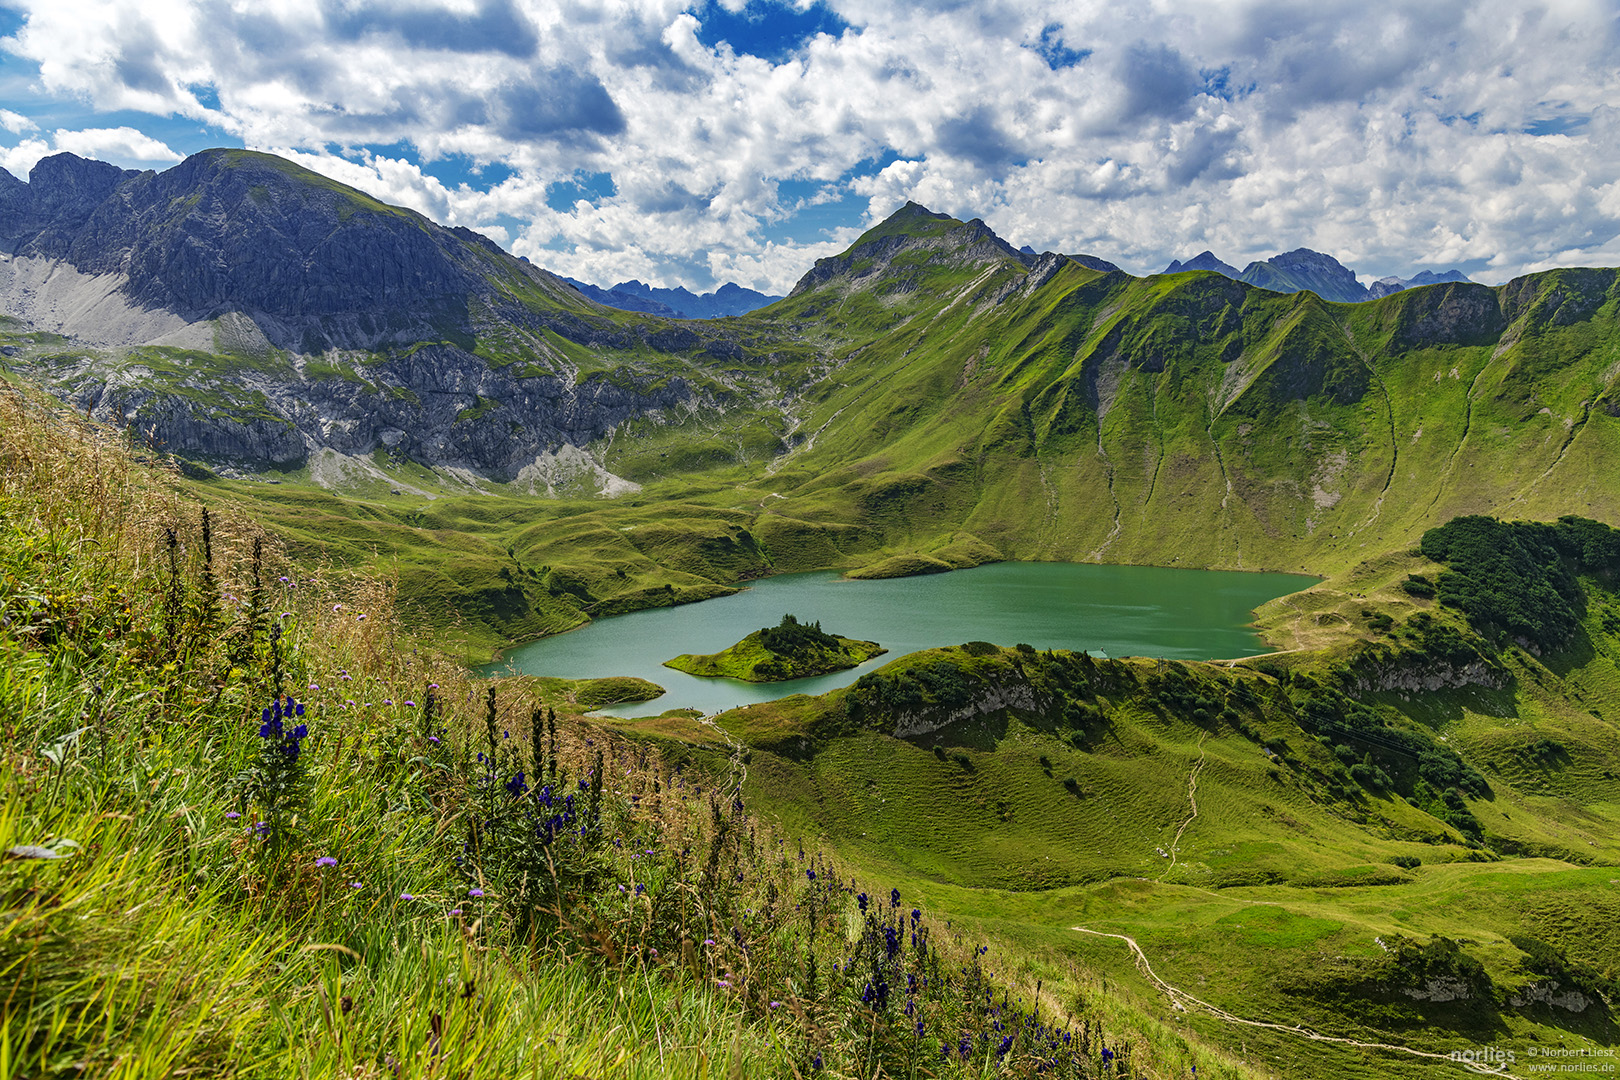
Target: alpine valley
x: 1387, y: 844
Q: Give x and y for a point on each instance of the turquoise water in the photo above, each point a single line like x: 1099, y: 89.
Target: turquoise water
x: 1107, y: 610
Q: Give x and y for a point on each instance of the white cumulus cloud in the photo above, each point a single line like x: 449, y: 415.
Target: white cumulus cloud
x: 1479, y: 133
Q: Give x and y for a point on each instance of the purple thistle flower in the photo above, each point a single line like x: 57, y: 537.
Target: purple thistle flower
x: 475, y: 892
x: 231, y: 815
x: 354, y: 885
x: 406, y: 896
x: 410, y: 704
x: 326, y: 860
x: 455, y: 911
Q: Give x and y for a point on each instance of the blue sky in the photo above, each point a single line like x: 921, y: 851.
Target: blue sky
x: 739, y: 141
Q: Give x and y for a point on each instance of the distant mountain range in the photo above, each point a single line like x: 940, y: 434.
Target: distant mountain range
x: 1302, y: 269
x: 677, y: 303
x: 241, y: 309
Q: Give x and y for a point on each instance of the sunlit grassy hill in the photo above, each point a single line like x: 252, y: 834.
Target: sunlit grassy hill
x: 1290, y: 841
x: 929, y: 399
x: 250, y: 830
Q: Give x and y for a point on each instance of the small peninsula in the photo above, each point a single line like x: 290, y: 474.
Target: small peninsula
x: 788, y: 650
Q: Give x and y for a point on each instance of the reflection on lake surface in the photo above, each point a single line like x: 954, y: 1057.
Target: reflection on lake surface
x: 1107, y: 610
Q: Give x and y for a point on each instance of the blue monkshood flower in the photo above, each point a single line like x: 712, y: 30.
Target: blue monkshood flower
x: 916, y: 915
x: 860, y: 902
x: 815, y: 1062
x: 919, y: 1029
x: 516, y: 786
x: 1006, y: 1045
x: 640, y: 888
x: 965, y: 1047
x: 945, y: 1050
x: 811, y: 874
x: 894, y: 897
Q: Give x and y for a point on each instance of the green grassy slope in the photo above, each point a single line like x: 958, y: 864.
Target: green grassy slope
x: 1210, y: 813
x: 932, y: 399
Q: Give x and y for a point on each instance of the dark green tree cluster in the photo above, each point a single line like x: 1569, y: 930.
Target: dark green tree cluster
x: 1382, y: 757
x: 792, y: 638
x: 1519, y: 579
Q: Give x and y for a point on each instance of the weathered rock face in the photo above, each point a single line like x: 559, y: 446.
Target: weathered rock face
x: 1455, y: 314
x: 1550, y: 992
x: 985, y: 702
x: 321, y: 299
x: 46, y: 215
x: 441, y: 406
x: 314, y: 263
x: 1413, y: 678
x: 1441, y: 988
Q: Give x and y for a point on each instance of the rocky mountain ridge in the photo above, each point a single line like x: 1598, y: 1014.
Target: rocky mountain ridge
x: 1302, y: 269
x: 258, y: 312
x: 677, y: 303
x: 485, y: 368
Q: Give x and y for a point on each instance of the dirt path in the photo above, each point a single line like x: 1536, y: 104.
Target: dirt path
x: 1192, y: 800
x: 739, y: 768
x: 1184, y: 1002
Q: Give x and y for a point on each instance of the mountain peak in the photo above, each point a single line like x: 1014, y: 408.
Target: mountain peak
x: 1386, y: 286
x: 1204, y: 260
x: 931, y: 238
x: 1303, y: 269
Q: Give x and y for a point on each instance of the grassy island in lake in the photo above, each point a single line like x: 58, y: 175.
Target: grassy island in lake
x: 788, y: 650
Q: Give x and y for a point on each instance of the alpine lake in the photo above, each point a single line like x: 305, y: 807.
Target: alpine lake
x: 1106, y: 610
